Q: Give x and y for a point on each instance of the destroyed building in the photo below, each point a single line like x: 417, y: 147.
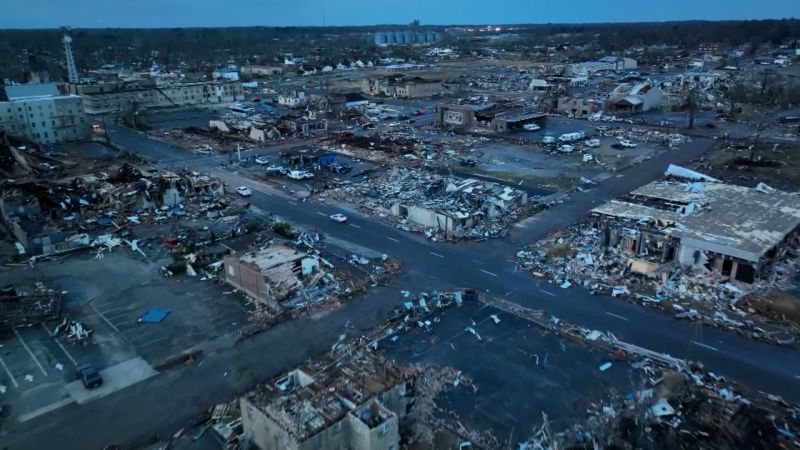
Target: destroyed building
x: 635, y: 97
x: 27, y: 305
x: 110, y: 96
x: 734, y: 231
x: 449, y: 206
x: 401, y: 86
x: 486, y: 117
x: 275, y: 273
x: 355, y: 402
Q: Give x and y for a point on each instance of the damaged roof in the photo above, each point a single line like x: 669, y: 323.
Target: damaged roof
x: 734, y: 220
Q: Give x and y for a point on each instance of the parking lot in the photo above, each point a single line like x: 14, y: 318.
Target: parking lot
x: 108, y: 296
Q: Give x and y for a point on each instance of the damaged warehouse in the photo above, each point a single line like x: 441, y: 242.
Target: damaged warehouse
x: 353, y: 401
x: 731, y: 230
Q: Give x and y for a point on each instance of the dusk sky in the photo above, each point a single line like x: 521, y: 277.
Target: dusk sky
x: 220, y: 13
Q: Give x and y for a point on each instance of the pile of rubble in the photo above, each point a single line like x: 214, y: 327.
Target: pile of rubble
x: 26, y: 305
x: 670, y: 140
x: 441, y: 206
x: 576, y: 256
x: 203, y: 140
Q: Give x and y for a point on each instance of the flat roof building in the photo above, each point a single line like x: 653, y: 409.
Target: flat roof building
x: 40, y: 113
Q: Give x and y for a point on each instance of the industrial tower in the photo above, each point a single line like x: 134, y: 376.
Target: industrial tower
x: 66, y: 39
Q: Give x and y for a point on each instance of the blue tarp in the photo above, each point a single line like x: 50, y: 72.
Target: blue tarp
x: 155, y: 315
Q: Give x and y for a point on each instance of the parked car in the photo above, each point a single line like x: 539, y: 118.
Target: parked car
x: 276, y: 170
x: 341, y: 168
x: 549, y: 140
x: 341, y: 218
x: 244, y: 191
x: 262, y: 160
x: 89, y: 376
x: 300, y: 174
x: 468, y: 162
x: 593, y: 143
x: 601, y: 128
x: 566, y: 148
x: 624, y: 144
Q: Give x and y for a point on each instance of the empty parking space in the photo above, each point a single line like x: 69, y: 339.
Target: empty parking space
x: 198, y: 312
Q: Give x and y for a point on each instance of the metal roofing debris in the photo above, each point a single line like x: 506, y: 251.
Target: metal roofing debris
x: 688, y: 174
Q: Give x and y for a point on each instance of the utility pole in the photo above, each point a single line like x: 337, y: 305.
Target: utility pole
x: 692, y: 104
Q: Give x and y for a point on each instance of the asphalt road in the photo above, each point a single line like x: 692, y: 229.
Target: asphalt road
x: 487, y: 266
x: 171, y: 400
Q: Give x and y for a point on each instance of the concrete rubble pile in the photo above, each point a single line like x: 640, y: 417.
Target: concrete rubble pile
x: 282, y: 282
x: 441, y: 206
x: 670, y: 140
x: 576, y: 256
x: 51, y: 217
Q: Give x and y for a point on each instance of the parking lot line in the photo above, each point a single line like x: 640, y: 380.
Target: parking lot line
x: 28, y: 349
x: 108, y: 322
x: 13, y: 380
x: 149, y: 343
x: 61, y: 346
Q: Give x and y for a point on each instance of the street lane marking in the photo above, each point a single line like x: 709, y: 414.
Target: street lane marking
x: 295, y: 204
x: 8, y: 372
x: 322, y: 214
x: 61, y: 346
x: 30, y: 352
x: 490, y: 273
x: 616, y: 315
x: 545, y: 292
x: 392, y: 239
x: 354, y: 226
x: 436, y: 254
x: 700, y: 344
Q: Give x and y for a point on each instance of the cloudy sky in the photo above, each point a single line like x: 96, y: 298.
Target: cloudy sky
x: 220, y: 13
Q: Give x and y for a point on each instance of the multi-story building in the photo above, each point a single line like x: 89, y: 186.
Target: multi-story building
x: 401, y: 87
x: 256, y: 71
x: 39, y: 113
x: 354, y: 402
x: 106, y: 97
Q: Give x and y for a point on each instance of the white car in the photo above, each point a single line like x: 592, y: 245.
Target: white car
x: 244, y: 191
x: 593, y: 143
x: 341, y: 218
x: 531, y: 127
x: 566, y: 148
x: 262, y: 160
x: 627, y: 144
x: 300, y: 174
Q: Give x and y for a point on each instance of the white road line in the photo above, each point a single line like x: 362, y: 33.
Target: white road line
x: 392, y: 239
x: 106, y: 311
x: 436, y: 254
x: 616, y: 315
x: 41, y: 367
x: 490, y: 273
x: 8, y: 372
x: 61, y: 346
x: 105, y: 319
x: 149, y: 343
x: 546, y: 292
x: 354, y: 226
x: 322, y: 214
x: 295, y: 204
x: 700, y: 344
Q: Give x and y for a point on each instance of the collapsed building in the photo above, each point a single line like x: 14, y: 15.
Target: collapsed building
x: 488, y: 117
x: 734, y: 231
x: 276, y: 273
x: 57, y: 217
x: 448, y: 206
x: 355, y: 401
x: 27, y: 305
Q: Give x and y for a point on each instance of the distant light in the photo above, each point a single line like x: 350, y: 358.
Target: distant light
x: 497, y: 29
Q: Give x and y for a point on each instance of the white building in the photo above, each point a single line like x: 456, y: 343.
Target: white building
x: 39, y: 113
x: 293, y: 100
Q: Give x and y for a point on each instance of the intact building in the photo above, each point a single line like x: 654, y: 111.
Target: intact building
x: 406, y: 37
x: 40, y: 113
